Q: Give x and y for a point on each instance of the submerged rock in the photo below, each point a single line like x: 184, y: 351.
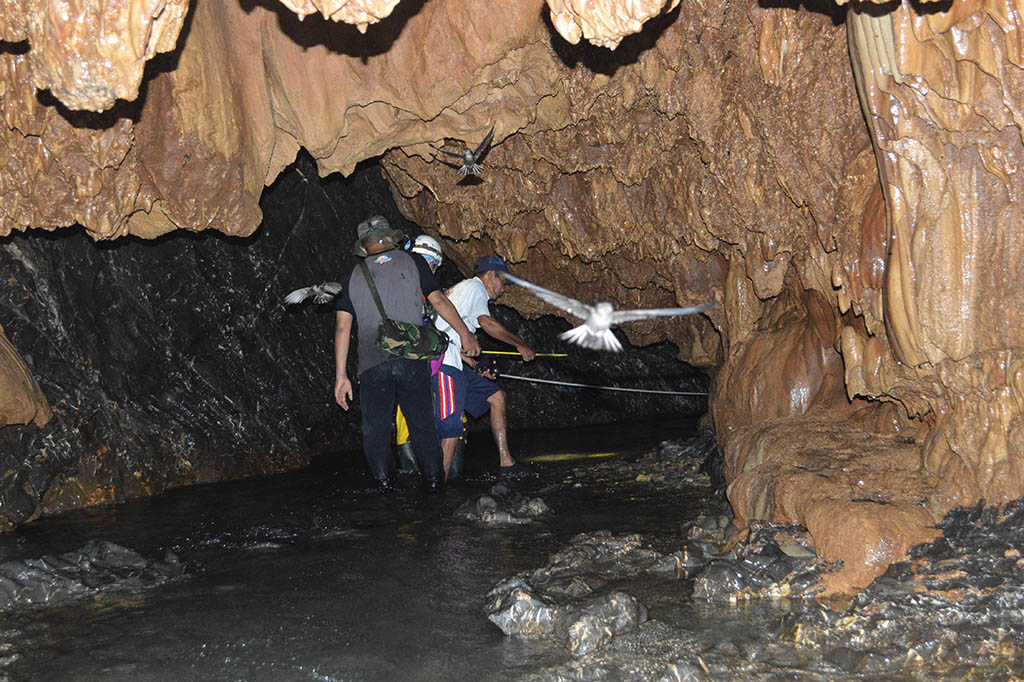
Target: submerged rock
x: 580, y: 626
x: 697, y: 448
x: 954, y: 610
x: 599, y: 553
x: 775, y: 561
x: 673, y: 464
x: 502, y: 507
x: 569, y: 601
x: 97, y: 566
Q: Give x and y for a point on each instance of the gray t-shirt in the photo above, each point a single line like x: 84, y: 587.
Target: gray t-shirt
x: 403, y: 281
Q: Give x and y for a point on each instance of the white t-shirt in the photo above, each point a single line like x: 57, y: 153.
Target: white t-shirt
x: 470, y: 300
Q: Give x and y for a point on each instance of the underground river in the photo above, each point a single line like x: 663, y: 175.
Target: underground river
x: 310, y: 576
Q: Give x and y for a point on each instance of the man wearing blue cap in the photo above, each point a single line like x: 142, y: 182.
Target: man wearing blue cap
x: 457, y: 387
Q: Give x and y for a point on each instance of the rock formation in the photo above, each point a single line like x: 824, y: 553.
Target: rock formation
x: 21, y: 399
x: 842, y: 181
x: 604, y: 23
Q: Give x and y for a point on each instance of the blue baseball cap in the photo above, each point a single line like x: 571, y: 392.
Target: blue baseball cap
x: 492, y: 262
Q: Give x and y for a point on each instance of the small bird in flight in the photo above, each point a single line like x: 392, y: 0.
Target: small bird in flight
x: 471, y: 157
x: 595, y: 333
x: 321, y: 293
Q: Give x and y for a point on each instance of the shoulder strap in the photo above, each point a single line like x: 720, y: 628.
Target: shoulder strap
x: 373, y: 289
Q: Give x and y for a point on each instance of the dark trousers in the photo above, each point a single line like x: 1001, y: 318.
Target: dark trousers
x: 408, y: 383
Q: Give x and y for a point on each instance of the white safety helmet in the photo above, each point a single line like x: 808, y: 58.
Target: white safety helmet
x: 429, y: 248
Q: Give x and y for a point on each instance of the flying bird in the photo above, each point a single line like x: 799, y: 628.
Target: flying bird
x: 321, y: 293
x: 595, y: 332
x: 471, y: 157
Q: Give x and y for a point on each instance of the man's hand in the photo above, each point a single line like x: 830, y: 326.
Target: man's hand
x: 526, y: 352
x: 486, y: 367
x: 343, y: 391
x: 470, y: 346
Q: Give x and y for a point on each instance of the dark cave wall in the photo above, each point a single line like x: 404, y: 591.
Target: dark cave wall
x: 174, y: 361
x: 532, y: 405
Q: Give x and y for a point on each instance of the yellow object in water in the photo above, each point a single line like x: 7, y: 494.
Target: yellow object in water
x: 401, y: 428
x: 568, y: 456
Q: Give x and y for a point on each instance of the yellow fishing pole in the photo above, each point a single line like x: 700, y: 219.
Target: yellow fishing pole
x: 513, y: 352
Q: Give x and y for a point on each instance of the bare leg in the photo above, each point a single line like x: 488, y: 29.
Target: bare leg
x: 499, y: 429
x: 448, y: 451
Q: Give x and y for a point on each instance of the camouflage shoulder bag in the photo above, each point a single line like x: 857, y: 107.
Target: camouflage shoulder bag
x: 404, y: 339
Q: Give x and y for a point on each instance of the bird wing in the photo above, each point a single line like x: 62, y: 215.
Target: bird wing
x: 482, y: 147
x: 333, y: 288
x: 457, y: 155
x: 450, y: 165
x: 569, y: 305
x: 620, y: 316
x: 299, y: 295
x: 585, y: 336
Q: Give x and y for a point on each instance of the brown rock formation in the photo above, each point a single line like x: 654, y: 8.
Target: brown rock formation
x: 89, y: 53
x: 362, y: 13
x: 604, y: 22
x: 944, y: 110
x: 21, y: 400
x: 864, y: 273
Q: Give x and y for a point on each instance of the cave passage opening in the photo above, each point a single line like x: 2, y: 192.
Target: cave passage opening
x: 174, y: 361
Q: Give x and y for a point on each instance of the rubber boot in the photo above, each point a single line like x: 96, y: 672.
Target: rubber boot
x: 460, y: 450
x: 406, y: 460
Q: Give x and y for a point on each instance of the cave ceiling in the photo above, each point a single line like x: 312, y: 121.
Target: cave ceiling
x: 842, y: 181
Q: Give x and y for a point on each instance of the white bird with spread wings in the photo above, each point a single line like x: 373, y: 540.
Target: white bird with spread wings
x: 321, y: 293
x: 595, y: 332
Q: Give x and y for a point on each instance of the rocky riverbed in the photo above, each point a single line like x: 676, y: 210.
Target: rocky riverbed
x: 954, y: 610
x: 623, y: 568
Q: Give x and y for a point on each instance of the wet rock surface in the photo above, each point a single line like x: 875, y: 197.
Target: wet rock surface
x: 565, y: 601
x: 175, y: 361
x: 500, y: 506
x: 575, y: 600
x: 774, y: 561
x: 956, y: 606
x: 672, y: 464
x: 97, y: 566
x: 954, y: 610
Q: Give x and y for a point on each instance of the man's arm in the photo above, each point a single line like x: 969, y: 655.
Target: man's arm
x: 342, y: 339
x: 448, y: 313
x: 496, y: 330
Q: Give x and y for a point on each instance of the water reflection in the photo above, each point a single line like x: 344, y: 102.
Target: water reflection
x: 308, y: 576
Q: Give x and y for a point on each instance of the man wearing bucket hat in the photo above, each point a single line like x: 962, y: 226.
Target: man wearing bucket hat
x: 457, y: 388
x: 401, y: 281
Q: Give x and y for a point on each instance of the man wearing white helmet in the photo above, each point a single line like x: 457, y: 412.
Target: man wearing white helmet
x: 430, y: 249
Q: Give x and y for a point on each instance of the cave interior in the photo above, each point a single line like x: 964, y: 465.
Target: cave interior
x: 838, y: 180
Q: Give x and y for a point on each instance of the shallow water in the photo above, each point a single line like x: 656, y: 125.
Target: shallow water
x: 310, y: 576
